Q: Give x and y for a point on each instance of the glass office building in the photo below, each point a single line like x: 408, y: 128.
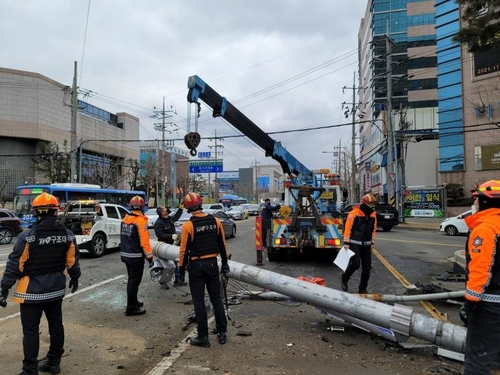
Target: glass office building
x: 401, y: 18
x: 451, y: 138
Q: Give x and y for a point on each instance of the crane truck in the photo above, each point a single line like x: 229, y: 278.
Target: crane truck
x: 311, y: 218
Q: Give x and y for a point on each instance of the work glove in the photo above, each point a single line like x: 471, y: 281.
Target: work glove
x: 180, y: 206
x: 466, y: 310
x: 175, y: 237
x: 3, y: 297
x: 151, y: 262
x: 182, y: 275
x: 224, y: 269
x: 73, y: 285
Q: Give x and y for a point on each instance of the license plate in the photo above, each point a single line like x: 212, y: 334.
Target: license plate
x: 387, y: 216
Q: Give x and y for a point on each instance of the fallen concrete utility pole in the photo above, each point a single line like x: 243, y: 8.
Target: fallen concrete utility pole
x: 376, y: 297
x: 398, y: 318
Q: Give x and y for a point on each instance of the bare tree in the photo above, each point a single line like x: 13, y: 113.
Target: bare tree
x: 4, y: 182
x: 481, y: 98
x: 148, y: 178
x: 104, y: 171
x: 54, y: 164
x: 132, y: 175
x: 183, y: 184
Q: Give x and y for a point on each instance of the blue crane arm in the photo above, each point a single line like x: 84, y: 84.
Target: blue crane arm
x: 199, y: 90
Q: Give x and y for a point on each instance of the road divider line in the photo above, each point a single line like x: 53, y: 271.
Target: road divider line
x: 76, y: 293
x: 431, y: 309
x: 175, y: 354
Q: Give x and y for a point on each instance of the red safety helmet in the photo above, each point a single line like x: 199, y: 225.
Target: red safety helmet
x: 45, y: 202
x: 136, y: 203
x: 369, y: 199
x: 489, y: 189
x: 192, y: 200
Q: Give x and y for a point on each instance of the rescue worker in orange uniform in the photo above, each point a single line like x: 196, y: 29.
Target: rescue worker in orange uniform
x: 39, y: 261
x: 481, y: 310
x: 202, y: 240
x: 359, y: 235
x: 135, y: 247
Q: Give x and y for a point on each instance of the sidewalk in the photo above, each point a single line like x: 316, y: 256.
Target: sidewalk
x: 424, y: 223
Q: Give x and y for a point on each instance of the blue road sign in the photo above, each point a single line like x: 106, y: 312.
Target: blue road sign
x: 205, y: 168
x: 206, y: 154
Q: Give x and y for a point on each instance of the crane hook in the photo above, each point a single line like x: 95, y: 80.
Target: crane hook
x: 192, y: 141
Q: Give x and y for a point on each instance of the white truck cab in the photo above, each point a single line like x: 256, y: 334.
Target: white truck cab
x: 96, y: 225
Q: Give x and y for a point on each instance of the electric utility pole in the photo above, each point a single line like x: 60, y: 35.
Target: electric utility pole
x: 390, y: 136
x: 353, y: 141
x: 161, y: 126
x: 256, y: 181
x: 74, y: 113
x: 216, y: 156
x: 353, y: 144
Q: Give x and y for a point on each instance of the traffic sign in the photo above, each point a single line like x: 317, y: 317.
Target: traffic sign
x: 205, y: 166
x: 204, y: 155
x: 205, y: 169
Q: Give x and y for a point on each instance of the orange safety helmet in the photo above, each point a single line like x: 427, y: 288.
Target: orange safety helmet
x: 369, y: 199
x: 489, y: 189
x: 136, y: 203
x: 45, y: 202
x: 192, y: 200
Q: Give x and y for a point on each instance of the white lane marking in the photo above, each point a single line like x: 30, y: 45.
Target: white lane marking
x: 175, y: 354
x: 74, y: 294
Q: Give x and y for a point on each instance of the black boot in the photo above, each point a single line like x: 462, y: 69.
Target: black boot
x: 50, y: 365
x: 200, y: 341
x: 222, y: 337
x: 344, y: 285
x: 135, y: 311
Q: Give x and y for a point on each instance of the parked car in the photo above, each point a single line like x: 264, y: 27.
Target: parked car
x: 152, y: 216
x: 453, y: 226
x: 237, y: 213
x: 213, y: 206
x: 228, y: 223
x: 253, y: 209
x: 10, y: 226
x: 387, y: 216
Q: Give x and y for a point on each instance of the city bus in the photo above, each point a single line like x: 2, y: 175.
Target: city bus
x: 230, y: 200
x: 65, y: 192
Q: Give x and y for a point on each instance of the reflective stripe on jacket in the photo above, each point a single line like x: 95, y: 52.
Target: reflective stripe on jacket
x: 360, y: 229
x: 188, y: 236
x: 483, y: 256
x: 38, y: 261
x: 134, y: 237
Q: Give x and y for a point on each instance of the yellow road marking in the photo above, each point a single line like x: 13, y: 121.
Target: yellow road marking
x: 431, y: 309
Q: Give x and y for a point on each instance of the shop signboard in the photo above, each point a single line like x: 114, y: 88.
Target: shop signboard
x: 424, y: 203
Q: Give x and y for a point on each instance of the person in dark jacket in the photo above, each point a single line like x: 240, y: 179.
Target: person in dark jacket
x: 135, y: 247
x: 164, y: 225
x: 202, y: 240
x: 268, y: 209
x: 359, y: 236
x: 165, y: 232
x: 38, y: 263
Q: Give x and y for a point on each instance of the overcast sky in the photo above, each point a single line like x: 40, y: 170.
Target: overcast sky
x: 289, y: 60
